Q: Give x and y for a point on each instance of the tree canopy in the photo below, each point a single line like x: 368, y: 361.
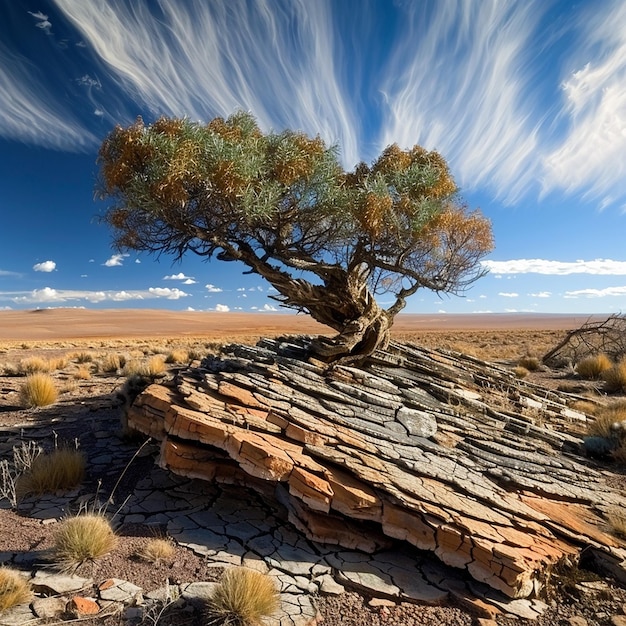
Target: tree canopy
x: 328, y: 240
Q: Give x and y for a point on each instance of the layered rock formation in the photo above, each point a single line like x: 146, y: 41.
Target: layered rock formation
x: 448, y: 453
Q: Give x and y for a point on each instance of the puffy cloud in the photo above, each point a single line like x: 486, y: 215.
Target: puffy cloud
x: 165, y: 292
x: 222, y: 308
x: 115, y: 260
x: 49, y: 294
x: 213, y: 289
x: 45, y: 266
x: 179, y: 276
x: 604, y: 267
x: 269, y: 307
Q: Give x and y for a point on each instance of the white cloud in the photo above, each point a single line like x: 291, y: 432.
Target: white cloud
x: 213, y: 289
x: 269, y: 307
x: 189, y: 281
x: 49, y: 294
x: 8, y: 273
x: 165, y: 292
x: 600, y: 267
x: 596, y: 293
x: 46, y: 266
x: 222, y: 308
x: 115, y: 260
x: 179, y: 276
x: 42, y: 21
x: 541, y: 294
x: 505, y: 294
x: 589, y: 158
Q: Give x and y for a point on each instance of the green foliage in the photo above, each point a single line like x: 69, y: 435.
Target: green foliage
x: 282, y: 204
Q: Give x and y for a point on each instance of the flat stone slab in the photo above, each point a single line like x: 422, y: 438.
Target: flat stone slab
x: 449, y: 454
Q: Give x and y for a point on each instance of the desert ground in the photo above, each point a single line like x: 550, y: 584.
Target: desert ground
x: 74, y: 346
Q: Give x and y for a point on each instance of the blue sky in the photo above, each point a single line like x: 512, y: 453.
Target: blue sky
x: 526, y: 101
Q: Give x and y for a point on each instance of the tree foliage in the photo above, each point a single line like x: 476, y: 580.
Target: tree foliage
x: 328, y: 240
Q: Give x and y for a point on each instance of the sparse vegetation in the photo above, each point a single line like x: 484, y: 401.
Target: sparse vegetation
x: 38, y: 390
x: 529, y: 363
x: 593, y: 367
x: 33, y: 365
x: 112, y: 362
x: 82, y: 538
x: 244, y: 598
x: 157, y: 550
x: 14, y: 589
x: 520, y: 371
x: 82, y: 373
x: 177, y: 356
x: 59, y: 470
x: 615, y: 378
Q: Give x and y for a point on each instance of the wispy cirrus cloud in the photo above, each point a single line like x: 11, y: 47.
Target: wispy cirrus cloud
x: 596, y: 293
x: 600, y: 267
x: 589, y: 158
x: 51, y: 295
x: 42, y: 21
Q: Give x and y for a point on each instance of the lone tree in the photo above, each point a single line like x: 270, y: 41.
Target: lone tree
x: 329, y: 241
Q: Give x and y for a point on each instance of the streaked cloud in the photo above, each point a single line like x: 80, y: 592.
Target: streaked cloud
x: 51, y: 295
x: 9, y: 273
x: 541, y: 294
x: 46, y: 266
x: 508, y: 294
x: 115, y: 260
x: 600, y: 267
x: 42, y: 21
x: 589, y: 158
x: 596, y: 293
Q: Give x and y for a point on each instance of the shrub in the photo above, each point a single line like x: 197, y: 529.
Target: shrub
x: 155, y: 366
x: 157, y: 551
x: 243, y: 598
x: 111, y: 363
x: 61, y: 469
x: 82, y: 538
x: 33, y: 365
x: 520, y: 372
x: 530, y: 363
x: 615, y: 378
x: 82, y: 373
x: 38, y: 390
x: 592, y: 367
x: 177, y: 356
x: 14, y: 589
x: 84, y: 357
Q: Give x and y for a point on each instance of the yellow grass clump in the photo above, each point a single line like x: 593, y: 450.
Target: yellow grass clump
x: 157, y: 551
x: 178, y: 355
x: 112, y: 362
x: 615, y: 377
x: 33, y: 365
x: 243, y: 598
x: 59, y: 470
x: 592, y: 367
x: 38, y: 390
x: 520, y: 371
x: 14, y: 589
x: 529, y: 363
x: 82, y: 373
x: 83, y: 538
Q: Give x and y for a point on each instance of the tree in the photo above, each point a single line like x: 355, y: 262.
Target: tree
x: 329, y: 241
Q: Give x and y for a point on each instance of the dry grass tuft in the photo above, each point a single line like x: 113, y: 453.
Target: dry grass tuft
x: 34, y: 364
x: 155, y: 366
x: 59, y: 470
x: 530, y: 363
x: 112, y: 363
x: 243, y: 598
x: 14, y: 589
x: 520, y: 371
x: 592, y: 367
x: 83, y: 538
x: 38, y: 390
x: 615, y: 378
x: 82, y: 373
x: 157, y: 551
x: 177, y: 356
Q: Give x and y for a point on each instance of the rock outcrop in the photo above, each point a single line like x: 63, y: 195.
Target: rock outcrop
x: 448, y: 453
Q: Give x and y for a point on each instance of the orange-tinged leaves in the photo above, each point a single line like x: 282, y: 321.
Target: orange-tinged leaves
x: 299, y: 163
x: 454, y: 228
x: 373, y: 213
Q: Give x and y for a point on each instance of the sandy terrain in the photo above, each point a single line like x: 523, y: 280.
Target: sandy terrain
x: 55, y: 324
